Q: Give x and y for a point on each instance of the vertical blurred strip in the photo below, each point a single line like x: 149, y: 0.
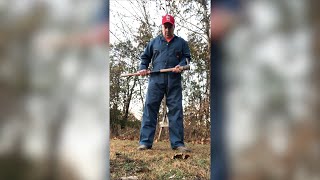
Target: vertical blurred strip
x: 273, y: 91
x: 314, y: 16
x: 108, y: 93
x: 222, y: 15
x: 54, y: 90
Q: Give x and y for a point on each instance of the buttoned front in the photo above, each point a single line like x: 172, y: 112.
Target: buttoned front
x: 162, y: 54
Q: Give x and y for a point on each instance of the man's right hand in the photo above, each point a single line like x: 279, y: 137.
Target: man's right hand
x: 144, y: 72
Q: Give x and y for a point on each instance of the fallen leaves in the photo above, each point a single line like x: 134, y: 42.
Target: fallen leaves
x: 180, y: 156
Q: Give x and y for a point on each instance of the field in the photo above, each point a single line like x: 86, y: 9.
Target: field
x: 161, y: 162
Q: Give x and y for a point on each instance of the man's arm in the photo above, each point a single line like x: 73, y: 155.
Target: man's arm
x: 185, y: 55
x: 145, y: 60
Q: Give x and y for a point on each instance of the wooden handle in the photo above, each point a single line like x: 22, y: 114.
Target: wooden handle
x: 187, y: 67
x: 130, y: 74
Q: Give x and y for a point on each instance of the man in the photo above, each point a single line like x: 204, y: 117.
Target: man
x: 165, y: 51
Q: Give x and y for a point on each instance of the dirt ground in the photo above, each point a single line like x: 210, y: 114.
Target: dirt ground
x: 161, y: 162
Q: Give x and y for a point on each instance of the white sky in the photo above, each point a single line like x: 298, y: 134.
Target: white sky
x: 128, y: 8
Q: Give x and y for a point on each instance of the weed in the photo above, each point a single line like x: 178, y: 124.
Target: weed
x: 157, y: 163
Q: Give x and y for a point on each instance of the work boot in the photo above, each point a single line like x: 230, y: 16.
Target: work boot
x: 182, y: 149
x: 143, y: 147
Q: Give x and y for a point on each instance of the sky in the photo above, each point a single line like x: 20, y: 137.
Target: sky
x: 128, y: 8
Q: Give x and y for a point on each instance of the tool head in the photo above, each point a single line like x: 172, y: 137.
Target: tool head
x: 186, y: 67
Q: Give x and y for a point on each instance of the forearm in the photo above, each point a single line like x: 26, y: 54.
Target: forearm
x: 186, y: 57
x: 145, y: 61
x: 146, y: 57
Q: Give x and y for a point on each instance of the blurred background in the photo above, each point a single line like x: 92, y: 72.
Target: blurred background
x: 272, y: 74
x: 54, y: 89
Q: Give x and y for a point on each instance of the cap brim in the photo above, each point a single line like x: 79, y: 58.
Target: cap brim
x: 168, y: 22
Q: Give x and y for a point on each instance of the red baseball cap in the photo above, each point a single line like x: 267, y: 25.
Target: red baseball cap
x: 168, y: 19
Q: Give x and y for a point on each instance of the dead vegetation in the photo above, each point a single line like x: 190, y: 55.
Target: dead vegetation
x: 126, y: 162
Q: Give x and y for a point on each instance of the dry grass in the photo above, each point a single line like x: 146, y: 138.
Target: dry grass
x: 126, y: 161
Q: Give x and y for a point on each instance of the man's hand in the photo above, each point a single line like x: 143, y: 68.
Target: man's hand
x: 176, y: 69
x: 144, y: 72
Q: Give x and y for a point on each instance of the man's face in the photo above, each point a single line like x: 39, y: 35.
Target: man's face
x: 167, y: 30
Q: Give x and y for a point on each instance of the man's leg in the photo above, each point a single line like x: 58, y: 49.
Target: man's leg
x: 149, y: 119
x: 175, y: 114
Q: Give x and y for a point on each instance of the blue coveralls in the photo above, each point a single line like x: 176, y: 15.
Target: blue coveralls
x: 161, y: 55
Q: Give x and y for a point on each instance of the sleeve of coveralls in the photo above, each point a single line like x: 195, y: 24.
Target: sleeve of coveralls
x: 185, y: 54
x: 146, y: 57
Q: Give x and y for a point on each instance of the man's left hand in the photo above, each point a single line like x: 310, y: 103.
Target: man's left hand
x: 176, y: 69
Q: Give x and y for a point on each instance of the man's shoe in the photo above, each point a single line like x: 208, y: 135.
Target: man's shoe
x: 182, y: 149
x: 143, y: 147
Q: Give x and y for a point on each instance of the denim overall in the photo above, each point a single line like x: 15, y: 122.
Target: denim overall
x: 162, y: 54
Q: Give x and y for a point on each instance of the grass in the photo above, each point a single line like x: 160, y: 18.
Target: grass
x: 157, y: 163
